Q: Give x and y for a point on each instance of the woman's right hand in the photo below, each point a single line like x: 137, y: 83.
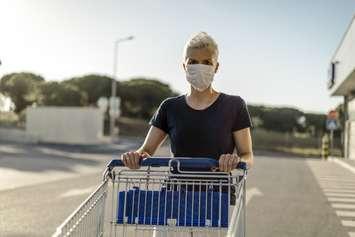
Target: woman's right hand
x: 132, y: 159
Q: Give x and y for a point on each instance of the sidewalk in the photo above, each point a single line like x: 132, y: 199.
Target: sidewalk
x: 345, y: 163
x: 350, y: 162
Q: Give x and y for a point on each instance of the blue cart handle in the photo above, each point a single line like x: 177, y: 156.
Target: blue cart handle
x: 184, y: 162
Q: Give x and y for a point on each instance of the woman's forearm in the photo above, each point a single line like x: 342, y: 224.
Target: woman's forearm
x: 247, y: 158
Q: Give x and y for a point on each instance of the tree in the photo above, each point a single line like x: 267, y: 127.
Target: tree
x: 140, y: 97
x: 22, y: 88
x: 95, y: 86
x: 287, y: 119
x: 61, y: 94
x: 317, y: 121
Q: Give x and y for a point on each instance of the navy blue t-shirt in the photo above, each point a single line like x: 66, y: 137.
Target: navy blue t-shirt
x: 202, y: 133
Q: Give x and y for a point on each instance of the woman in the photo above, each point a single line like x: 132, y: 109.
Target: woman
x: 203, y: 122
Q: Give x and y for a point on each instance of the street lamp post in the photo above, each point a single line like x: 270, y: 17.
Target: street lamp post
x: 113, y: 110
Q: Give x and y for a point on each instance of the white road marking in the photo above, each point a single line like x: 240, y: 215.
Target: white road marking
x: 337, y: 180
x: 77, y: 192
x: 338, y: 185
x: 331, y: 194
x: 331, y: 177
x: 348, y: 223
x: 345, y: 213
x: 331, y: 199
x: 338, y: 190
x: 253, y: 192
x: 343, y: 206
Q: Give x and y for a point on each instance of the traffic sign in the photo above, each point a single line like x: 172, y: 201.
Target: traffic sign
x: 331, y: 124
x: 332, y: 120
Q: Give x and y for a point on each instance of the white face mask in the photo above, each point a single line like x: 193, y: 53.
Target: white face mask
x: 200, y: 76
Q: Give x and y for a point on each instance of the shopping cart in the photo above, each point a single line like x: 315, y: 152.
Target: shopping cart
x: 165, y: 197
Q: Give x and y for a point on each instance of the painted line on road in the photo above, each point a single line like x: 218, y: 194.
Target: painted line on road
x: 336, y: 190
x: 339, y: 188
x: 348, y: 223
x: 345, y: 213
x: 335, y: 199
x: 339, y: 195
x: 337, y: 184
x: 77, y: 192
x: 343, y: 206
x: 337, y: 180
x: 331, y: 176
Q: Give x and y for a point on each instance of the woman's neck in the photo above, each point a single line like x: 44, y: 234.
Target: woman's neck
x: 208, y: 93
x: 205, y: 96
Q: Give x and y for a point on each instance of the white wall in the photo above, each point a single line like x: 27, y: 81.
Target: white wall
x: 350, y: 140
x: 351, y: 109
x: 345, y: 56
x: 71, y: 125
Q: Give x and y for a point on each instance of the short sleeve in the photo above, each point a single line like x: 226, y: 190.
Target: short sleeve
x: 159, y: 118
x: 242, y: 119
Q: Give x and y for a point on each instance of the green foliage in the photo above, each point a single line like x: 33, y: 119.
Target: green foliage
x: 140, y: 97
x: 276, y: 119
x: 95, y: 86
x: 286, y: 120
x: 61, y: 94
x: 315, y: 123
x: 22, y: 88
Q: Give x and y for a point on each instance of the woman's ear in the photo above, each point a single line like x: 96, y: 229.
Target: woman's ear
x: 217, y: 66
x: 183, y: 65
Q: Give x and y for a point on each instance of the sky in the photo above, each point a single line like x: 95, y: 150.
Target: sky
x: 272, y: 52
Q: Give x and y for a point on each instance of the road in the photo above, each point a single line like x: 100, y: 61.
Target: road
x: 287, y: 196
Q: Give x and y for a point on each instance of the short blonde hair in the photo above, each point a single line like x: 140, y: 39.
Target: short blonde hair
x: 199, y: 41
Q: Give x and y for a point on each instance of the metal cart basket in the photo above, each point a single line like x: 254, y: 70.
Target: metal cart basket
x: 165, y: 197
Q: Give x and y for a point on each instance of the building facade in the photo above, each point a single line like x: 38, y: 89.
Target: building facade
x: 341, y: 82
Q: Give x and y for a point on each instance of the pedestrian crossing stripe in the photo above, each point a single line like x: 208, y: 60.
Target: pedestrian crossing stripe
x: 339, y: 194
x: 345, y: 213
x: 348, y: 223
x: 343, y: 206
x: 339, y: 188
x: 331, y: 199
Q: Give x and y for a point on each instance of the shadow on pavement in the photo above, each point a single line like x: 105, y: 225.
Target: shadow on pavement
x: 55, y: 157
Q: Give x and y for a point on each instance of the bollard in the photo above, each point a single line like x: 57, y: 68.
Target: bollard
x: 325, y: 146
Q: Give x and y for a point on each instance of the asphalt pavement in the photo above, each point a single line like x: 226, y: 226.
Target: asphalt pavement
x: 40, y: 185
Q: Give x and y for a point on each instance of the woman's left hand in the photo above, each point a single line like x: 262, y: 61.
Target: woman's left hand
x: 228, y: 162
